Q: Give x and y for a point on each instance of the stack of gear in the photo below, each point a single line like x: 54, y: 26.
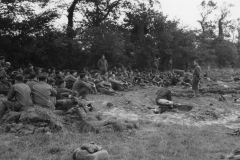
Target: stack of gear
x: 90, y: 151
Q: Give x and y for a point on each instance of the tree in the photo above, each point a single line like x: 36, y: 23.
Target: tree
x: 238, y: 30
x: 71, y: 10
x: 105, y: 39
x: 139, y: 19
x: 226, y: 53
x: 223, y: 22
x: 206, y: 9
x: 99, y: 11
x: 153, y: 35
x: 19, y: 27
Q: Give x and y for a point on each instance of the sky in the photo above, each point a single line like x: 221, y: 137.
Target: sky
x: 188, y: 13
x: 185, y: 10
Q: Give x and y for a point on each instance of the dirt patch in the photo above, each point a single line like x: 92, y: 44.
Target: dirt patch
x: 204, y: 110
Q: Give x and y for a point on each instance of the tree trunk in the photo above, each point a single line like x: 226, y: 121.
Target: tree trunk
x: 220, y: 27
x: 70, y: 12
x: 203, y: 27
x: 238, y: 35
x: 70, y: 32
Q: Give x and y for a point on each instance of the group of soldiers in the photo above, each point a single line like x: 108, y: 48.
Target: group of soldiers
x: 48, y: 89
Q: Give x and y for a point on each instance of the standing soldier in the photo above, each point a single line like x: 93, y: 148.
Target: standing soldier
x: 232, y: 68
x: 186, y: 66
x: 155, y: 65
x: 196, y: 77
x: 102, y: 65
x: 170, y: 64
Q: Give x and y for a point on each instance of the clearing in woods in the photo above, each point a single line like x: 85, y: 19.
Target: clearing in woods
x: 202, y: 132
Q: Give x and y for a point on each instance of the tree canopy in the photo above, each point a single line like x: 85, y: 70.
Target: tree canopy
x: 127, y: 32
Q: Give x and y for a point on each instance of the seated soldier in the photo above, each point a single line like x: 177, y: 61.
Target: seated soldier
x: 5, y: 84
x: 59, y: 75
x: 116, y: 84
x: 157, y: 80
x: 49, y: 71
x: 67, y: 99
x: 114, y: 69
x: 150, y: 76
x: 145, y: 78
x: 70, y: 79
x: 103, y: 87
x: 105, y: 81
x: 3, y: 74
x: 29, y: 70
x: 53, y: 73
x: 165, y: 94
x: 82, y: 87
x: 64, y: 73
x: 18, y: 97
x: 174, y: 79
x: 44, y: 94
x: 91, y: 82
x: 62, y: 90
x: 130, y: 75
x: 137, y: 78
x: 187, y: 79
x: 85, y: 70
x: 128, y: 79
x: 2, y: 61
x: 38, y: 71
x: 51, y: 82
x: 125, y: 72
x: 32, y: 81
x: 20, y: 71
x: 124, y: 79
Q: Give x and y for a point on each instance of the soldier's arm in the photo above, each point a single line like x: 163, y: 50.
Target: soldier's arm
x: 53, y: 92
x: 11, y: 94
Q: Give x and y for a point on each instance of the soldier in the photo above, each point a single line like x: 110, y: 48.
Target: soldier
x: 18, y: 97
x: 155, y: 65
x: 196, y: 77
x: 164, y: 94
x: 102, y: 65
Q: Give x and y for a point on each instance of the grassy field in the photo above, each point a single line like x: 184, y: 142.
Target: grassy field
x: 162, y: 142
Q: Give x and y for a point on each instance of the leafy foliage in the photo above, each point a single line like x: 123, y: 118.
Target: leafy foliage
x: 144, y: 32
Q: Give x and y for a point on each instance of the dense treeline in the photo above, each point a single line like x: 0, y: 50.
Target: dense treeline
x: 127, y: 32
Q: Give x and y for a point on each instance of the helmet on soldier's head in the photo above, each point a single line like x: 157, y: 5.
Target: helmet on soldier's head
x: 7, y: 64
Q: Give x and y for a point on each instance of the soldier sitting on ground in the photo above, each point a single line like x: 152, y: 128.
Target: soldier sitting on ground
x: 164, y: 98
x: 103, y: 87
x: 83, y: 88
x: 62, y: 90
x: 157, y: 80
x: 44, y: 94
x: 67, y: 99
x: 32, y: 81
x: 5, y: 83
x: 70, y: 79
x: 18, y: 97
